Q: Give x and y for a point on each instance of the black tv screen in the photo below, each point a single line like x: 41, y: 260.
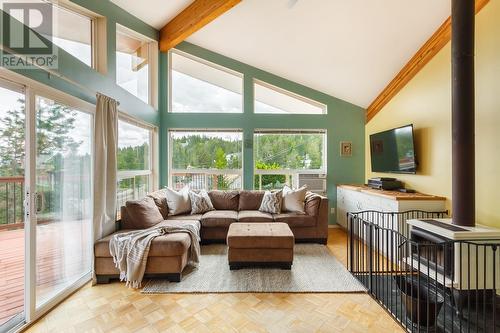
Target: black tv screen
x: 393, y: 151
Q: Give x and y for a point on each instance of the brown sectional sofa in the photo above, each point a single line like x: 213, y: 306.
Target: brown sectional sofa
x: 169, y: 253
x: 243, y: 206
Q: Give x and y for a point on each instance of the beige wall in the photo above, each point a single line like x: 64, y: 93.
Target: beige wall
x: 426, y: 102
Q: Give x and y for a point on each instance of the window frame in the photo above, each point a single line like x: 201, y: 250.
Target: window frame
x: 153, y: 154
x: 94, y: 42
x: 290, y: 172
x: 207, y: 63
x: 152, y: 62
x: 288, y: 93
x: 211, y: 171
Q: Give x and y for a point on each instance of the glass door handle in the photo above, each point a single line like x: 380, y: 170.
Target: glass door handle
x: 39, y: 202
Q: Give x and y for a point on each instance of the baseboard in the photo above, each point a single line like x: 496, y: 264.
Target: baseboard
x: 334, y: 226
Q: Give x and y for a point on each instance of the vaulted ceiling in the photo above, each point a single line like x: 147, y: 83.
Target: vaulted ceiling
x: 348, y: 49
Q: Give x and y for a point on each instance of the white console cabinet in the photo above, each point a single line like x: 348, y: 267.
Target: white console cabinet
x: 354, y: 198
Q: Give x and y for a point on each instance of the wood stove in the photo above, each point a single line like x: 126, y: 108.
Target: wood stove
x: 433, y: 251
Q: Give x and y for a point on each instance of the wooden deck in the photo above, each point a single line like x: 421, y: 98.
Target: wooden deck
x: 11, y: 273
x: 62, y: 256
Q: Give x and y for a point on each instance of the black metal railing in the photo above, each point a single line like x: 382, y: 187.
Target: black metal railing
x: 426, y: 282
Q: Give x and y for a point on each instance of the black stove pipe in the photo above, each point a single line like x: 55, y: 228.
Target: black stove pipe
x: 463, y: 152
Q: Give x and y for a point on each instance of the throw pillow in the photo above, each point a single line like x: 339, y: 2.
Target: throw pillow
x: 225, y: 200
x: 178, y: 202
x: 250, y: 200
x: 271, y: 202
x: 142, y: 214
x: 160, y: 198
x: 293, y: 200
x: 200, y: 202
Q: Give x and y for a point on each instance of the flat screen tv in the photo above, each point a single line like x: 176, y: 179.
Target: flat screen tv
x: 393, y: 151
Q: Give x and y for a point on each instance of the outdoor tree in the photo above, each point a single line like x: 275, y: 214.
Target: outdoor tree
x: 12, y: 143
x: 54, y: 125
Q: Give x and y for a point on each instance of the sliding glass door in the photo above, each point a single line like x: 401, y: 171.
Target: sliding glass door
x: 63, y: 197
x: 46, y: 149
x: 12, y: 239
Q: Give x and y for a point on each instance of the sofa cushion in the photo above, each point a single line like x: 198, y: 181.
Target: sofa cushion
x: 293, y: 200
x: 178, y: 201
x: 185, y: 217
x: 160, y: 199
x: 295, y: 220
x: 254, y: 216
x: 174, y: 244
x: 250, y: 200
x: 224, y: 200
x: 141, y: 214
x: 219, y: 218
x: 312, y: 204
x: 260, y: 236
x: 271, y: 202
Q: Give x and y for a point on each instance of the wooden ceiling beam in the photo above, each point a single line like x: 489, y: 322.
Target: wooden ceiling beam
x: 193, y: 18
x: 432, y: 47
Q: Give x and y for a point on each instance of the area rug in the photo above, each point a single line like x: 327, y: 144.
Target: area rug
x: 314, y: 270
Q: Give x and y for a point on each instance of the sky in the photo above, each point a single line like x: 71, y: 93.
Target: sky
x: 8, y: 101
x: 130, y: 135
x: 190, y: 94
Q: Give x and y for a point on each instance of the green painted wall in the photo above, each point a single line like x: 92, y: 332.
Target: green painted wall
x: 78, y: 72
x: 344, y: 121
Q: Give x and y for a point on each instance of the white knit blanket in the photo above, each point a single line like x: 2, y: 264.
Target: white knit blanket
x: 130, y: 249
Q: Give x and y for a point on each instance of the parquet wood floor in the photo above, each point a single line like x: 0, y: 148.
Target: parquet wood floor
x: 115, y: 308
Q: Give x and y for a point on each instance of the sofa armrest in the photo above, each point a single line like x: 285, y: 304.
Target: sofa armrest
x: 317, y: 205
x: 322, y: 219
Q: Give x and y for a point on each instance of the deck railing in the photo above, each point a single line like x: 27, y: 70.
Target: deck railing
x: 11, y: 201
x: 212, y: 179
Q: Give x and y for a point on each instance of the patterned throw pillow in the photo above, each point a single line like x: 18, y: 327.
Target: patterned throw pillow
x: 271, y: 202
x: 200, y: 202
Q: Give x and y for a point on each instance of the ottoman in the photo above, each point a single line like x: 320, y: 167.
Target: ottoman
x: 260, y: 245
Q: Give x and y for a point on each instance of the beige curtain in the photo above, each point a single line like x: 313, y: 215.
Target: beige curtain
x: 105, y: 146
x: 106, y: 138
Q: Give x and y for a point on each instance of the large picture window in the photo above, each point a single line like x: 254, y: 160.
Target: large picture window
x: 73, y: 33
x: 285, y: 157
x: 200, y: 87
x: 274, y: 100
x: 206, y: 159
x: 134, y: 161
x: 133, y: 63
